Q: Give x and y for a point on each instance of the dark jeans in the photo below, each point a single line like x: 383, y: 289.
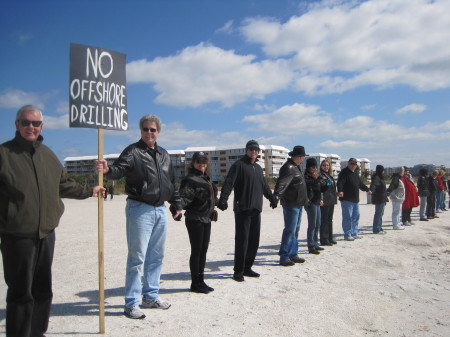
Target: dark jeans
x: 326, y: 223
x: 246, y: 242
x: 431, y: 204
x: 406, y: 214
x: 27, y: 269
x: 314, y: 221
x: 199, y: 235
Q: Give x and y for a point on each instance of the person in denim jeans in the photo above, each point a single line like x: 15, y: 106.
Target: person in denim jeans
x: 149, y: 183
x: 291, y: 189
x: 379, y: 199
x: 348, y: 186
x: 424, y: 192
x: 396, y: 192
x: 315, y: 185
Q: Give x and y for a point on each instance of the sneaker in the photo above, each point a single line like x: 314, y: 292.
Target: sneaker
x: 297, y: 259
x: 411, y: 223
x: 134, y: 313
x: 349, y: 238
x: 287, y: 263
x: 382, y: 232
x: 398, y: 227
x: 357, y: 237
x: 157, y: 303
x: 406, y: 223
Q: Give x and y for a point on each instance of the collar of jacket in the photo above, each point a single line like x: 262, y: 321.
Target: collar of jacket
x: 196, y: 172
x: 26, y: 144
x: 248, y: 160
x: 293, y: 163
x: 141, y: 144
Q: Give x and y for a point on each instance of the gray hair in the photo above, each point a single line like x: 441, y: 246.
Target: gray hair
x: 28, y: 107
x: 151, y: 119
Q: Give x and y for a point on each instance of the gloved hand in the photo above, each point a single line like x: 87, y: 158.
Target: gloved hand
x: 222, y: 204
x: 274, y: 201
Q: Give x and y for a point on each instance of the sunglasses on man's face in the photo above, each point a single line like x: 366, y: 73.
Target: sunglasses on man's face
x: 149, y: 129
x: 25, y: 122
x: 253, y: 149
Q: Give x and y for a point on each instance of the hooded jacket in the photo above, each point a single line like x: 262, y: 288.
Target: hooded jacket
x: 350, y: 183
x: 378, y: 186
x: 32, y: 183
x: 249, y: 185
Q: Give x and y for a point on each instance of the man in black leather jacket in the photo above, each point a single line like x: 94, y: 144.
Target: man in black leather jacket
x: 149, y: 182
x: 291, y: 188
x: 246, y: 177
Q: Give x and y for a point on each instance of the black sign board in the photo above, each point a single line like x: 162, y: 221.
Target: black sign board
x: 97, y: 91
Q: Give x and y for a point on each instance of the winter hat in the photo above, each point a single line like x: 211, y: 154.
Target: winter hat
x: 252, y: 144
x: 310, y: 162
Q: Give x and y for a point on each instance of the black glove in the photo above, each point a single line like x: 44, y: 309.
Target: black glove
x: 274, y: 201
x: 222, y: 204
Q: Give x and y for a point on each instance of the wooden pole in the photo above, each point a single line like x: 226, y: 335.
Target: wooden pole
x: 101, y: 269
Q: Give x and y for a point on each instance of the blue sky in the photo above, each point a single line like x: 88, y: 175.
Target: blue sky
x: 367, y: 79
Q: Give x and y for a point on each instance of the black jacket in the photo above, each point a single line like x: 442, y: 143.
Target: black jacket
x: 315, y: 188
x: 148, y: 174
x: 423, y: 186
x: 291, y: 185
x: 329, y: 197
x: 198, y: 196
x: 432, y: 184
x: 249, y: 185
x: 378, y: 189
x: 350, y: 183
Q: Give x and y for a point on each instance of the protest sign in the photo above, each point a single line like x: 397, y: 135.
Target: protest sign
x: 97, y: 90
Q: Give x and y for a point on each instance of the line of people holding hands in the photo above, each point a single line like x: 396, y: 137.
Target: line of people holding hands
x: 33, y: 181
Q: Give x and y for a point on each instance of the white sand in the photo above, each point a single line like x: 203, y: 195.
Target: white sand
x: 383, y: 285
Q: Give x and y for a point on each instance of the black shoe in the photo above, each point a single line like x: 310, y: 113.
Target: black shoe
x: 333, y: 242
x: 326, y: 243
x: 287, y: 263
x: 314, y: 251
x: 297, y: 259
x: 238, y: 277
x: 423, y: 219
x: 319, y: 248
x: 250, y: 273
x: 199, y: 288
x: 208, y: 287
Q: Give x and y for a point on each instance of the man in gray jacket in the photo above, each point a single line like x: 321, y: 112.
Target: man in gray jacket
x: 291, y: 188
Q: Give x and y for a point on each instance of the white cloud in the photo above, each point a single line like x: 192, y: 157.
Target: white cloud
x: 338, y: 46
x: 227, y: 28
x: 14, y: 99
x: 56, y: 123
x: 411, y: 109
x: 204, y: 73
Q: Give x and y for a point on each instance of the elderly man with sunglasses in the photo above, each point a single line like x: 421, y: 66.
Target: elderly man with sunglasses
x: 32, y: 183
x: 149, y: 183
x: 246, y: 177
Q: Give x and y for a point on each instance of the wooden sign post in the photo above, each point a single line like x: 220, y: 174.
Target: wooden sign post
x: 98, y: 99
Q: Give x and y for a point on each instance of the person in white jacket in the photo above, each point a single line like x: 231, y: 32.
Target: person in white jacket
x: 396, y: 192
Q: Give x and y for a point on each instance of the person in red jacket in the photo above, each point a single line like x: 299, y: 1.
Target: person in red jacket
x: 411, y: 198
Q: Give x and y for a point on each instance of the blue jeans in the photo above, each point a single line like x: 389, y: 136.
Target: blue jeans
x: 146, y: 238
x: 396, y: 208
x: 314, y: 221
x: 423, y: 207
x: 438, y: 201
x: 350, y: 218
x: 289, y: 239
x: 378, y: 217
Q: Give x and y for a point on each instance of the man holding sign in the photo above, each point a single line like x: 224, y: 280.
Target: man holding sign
x: 32, y: 183
x: 149, y: 183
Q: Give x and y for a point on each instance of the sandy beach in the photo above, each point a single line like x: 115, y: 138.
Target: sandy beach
x: 396, y: 284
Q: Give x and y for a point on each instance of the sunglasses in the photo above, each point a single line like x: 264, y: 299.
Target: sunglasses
x: 147, y: 129
x: 253, y: 149
x: 202, y: 161
x: 25, y: 122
